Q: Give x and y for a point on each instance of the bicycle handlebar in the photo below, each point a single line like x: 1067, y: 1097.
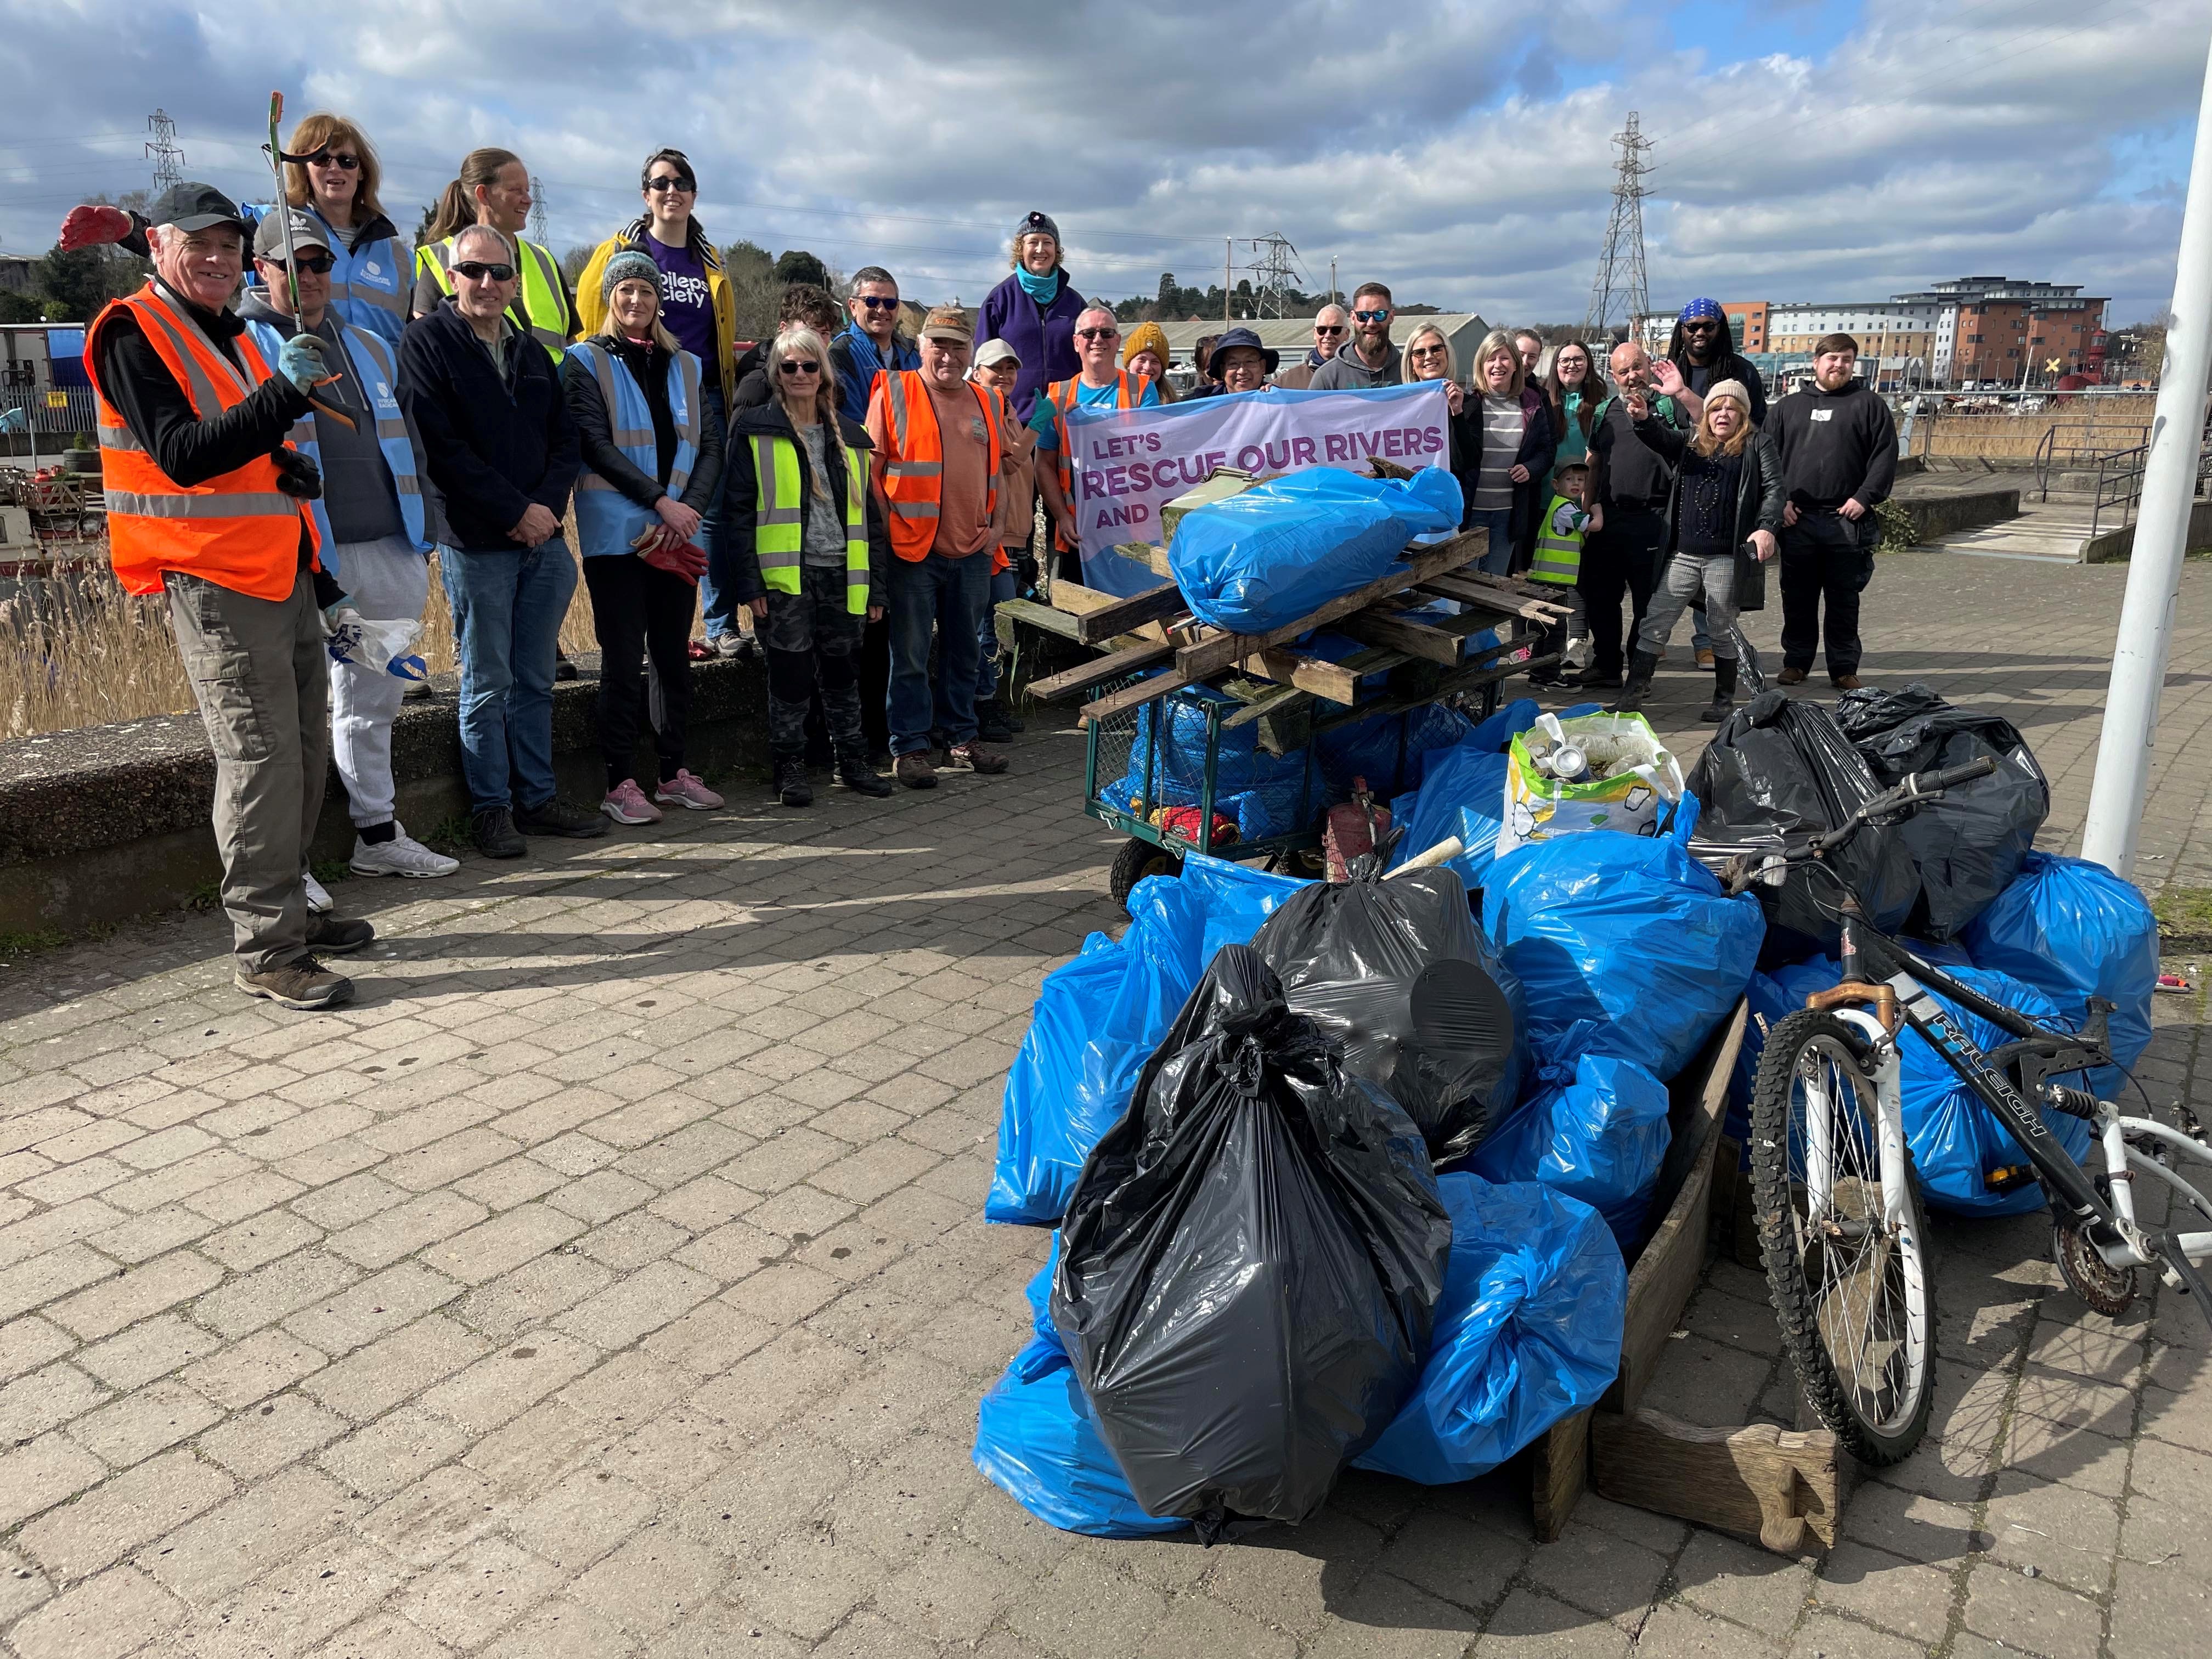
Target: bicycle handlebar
x: 1913, y: 790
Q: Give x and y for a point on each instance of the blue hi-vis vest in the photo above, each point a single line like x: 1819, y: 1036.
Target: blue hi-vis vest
x: 369, y: 284
x: 374, y: 371
x: 608, y: 521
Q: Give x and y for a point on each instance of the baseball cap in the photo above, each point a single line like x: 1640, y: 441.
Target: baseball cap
x: 947, y: 323
x: 268, y: 235
x: 191, y: 206
x: 996, y: 352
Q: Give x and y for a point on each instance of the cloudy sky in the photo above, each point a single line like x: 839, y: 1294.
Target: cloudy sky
x: 1814, y: 149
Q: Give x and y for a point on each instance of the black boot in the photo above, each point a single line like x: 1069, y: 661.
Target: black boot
x: 791, y: 785
x: 1724, y: 691
x: 862, y: 778
x: 994, y: 722
x: 1641, y: 665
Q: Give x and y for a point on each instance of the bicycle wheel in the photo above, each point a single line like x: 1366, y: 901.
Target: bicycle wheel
x: 1849, y: 1282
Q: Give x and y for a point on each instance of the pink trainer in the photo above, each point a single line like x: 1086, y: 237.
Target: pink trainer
x: 684, y: 789
x: 626, y: 804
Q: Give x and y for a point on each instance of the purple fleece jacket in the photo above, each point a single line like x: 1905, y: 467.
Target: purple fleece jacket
x: 1045, y: 341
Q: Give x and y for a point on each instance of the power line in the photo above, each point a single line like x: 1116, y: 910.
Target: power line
x: 1274, y: 273
x: 168, y: 160
x: 1620, y: 275
x: 538, y: 208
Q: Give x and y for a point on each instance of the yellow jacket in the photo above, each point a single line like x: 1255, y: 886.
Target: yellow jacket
x: 592, y: 305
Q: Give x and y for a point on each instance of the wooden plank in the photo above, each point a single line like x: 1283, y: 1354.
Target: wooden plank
x: 1781, y: 1487
x: 1110, y: 667
x: 1483, y: 670
x: 1414, y: 639
x: 1668, y: 1268
x: 1118, y: 616
x: 1334, y: 681
x: 1359, y: 664
x: 1208, y: 655
x: 1559, y: 1465
x: 1130, y: 697
x: 1049, y: 618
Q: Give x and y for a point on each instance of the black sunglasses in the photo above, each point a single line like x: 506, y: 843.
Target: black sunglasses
x: 799, y: 366
x: 877, y: 302
x: 1702, y: 325
x: 316, y: 265
x: 476, y: 271
x: 1097, y: 333
x: 323, y: 158
x: 1328, y: 328
x: 665, y: 183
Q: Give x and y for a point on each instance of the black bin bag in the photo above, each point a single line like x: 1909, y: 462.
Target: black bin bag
x: 1398, y: 974
x: 1249, y: 1263
x: 1778, y: 769
x: 1969, y: 845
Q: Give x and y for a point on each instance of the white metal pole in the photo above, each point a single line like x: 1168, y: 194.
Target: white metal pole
x: 2169, y: 485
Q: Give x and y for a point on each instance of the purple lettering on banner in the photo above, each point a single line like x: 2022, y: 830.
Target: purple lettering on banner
x: 1278, y: 455
x: 1117, y: 481
x: 1214, y: 457
x: 1140, y: 475
x: 1335, y: 447
x: 1393, y: 443
x: 1302, y: 451
x: 1190, y: 469
x: 1139, y: 513
x: 1251, y: 458
x: 1094, y: 484
x: 1433, y: 441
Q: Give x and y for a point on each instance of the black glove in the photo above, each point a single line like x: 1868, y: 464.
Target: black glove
x: 1025, y: 572
x: 297, y: 476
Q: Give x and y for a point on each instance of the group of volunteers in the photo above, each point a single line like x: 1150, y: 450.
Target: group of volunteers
x: 847, y: 499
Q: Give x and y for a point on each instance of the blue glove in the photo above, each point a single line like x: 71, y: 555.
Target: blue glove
x: 300, y: 362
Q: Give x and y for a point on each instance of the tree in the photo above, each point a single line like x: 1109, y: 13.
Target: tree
x: 573, y: 261
x: 798, y: 265
x: 747, y: 258
x: 77, y: 285
x: 20, y: 307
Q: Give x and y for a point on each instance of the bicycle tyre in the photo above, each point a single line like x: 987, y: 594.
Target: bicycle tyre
x: 1798, y: 1304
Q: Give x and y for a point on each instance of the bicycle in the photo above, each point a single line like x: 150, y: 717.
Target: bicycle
x: 1839, y: 1213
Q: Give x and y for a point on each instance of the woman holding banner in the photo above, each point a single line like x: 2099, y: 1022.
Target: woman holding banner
x: 1511, y: 444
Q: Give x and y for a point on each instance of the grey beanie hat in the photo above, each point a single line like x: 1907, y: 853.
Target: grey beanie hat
x: 1034, y: 221
x: 631, y: 264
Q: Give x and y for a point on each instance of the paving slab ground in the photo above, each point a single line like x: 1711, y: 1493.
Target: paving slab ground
x: 609, y: 1280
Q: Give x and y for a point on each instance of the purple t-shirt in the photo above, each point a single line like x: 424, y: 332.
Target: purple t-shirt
x: 685, y: 304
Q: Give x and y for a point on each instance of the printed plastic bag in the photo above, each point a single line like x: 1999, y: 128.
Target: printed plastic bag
x: 1956, y: 1144
x: 1098, y: 1019
x: 1626, y: 931
x: 1625, y: 777
x: 1969, y: 845
x: 1527, y: 1332
x: 1779, y: 767
x: 1594, y: 1127
x: 1463, y: 793
x: 352, y: 638
x: 1248, y: 1262
x: 1397, y: 972
x: 1278, y: 551
x: 2075, y: 930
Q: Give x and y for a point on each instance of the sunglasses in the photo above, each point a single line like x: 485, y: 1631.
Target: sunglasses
x: 798, y: 366
x: 477, y: 271
x: 316, y: 265
x: 1097, y: 333
x: 1372, y: 316
x: 1703, y: 325
x: 346, y: 161
x: 876, y: 301
x: 1328, y: 328
x: 665, y: 183
x: 1426, y: 351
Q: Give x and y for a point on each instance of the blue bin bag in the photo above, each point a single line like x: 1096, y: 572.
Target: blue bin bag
x: 1527, y: 1332
x: 1098, y: 1019
x: 2075, y: 930
x: 1462, y: 793
x: 1389, y: 750
x: 1036, y: 1438
x: 1627, y: 931
x: 1592, y: 1126
x: 1261, y: 792
x: 1954, y: 1141
x: 1262, y: 560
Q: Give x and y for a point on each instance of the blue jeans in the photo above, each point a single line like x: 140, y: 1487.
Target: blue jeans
x: 716, y: 609
x: 1499, y: 524
x: 1005, y: 585
x: 952, y: 596
x: 508, y: 607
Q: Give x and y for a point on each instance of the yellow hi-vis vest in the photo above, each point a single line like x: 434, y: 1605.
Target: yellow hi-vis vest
x: 541, y: 296
x: 1558, y: 556
x: 779, y: 518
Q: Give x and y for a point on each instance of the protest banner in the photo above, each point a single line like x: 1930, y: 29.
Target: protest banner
x: 1129, y: 463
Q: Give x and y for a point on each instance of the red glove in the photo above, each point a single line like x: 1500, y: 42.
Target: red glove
x: 683, y: 560
x: 93, y: 224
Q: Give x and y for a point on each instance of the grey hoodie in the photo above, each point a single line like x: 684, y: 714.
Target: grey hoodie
x: 1346, y: 371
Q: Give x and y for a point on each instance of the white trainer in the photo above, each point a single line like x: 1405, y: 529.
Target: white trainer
x: 318, y: 896
x: 403, y: 855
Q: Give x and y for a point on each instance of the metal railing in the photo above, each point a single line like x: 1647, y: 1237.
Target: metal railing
x: 49, y: 423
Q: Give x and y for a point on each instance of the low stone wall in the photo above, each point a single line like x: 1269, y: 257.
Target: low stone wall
x: 1939, y: 507
x: 100, y: 825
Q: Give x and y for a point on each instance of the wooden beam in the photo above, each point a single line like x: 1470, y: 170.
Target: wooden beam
x: 1414, y: 639
x: 1324, y: 679
x: 1119, y: 615
x: 1112, y: 667
x: 1783, y: 1487
x: 1499, y: 597
x: 1045, y: 616
x: 1483, y: 671
x: 1559, y: 1462
x: 1130, y: 697
x: 1210, y: 655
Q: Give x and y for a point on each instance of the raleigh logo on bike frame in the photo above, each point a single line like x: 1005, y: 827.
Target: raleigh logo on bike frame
x: 1952, y: 1042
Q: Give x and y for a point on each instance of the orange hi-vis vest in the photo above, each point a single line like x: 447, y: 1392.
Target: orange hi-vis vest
x: 238, y: 531
x: 1128, y: 392
x: 913, y: 471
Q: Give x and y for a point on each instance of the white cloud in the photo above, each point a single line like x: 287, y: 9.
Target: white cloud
x: 1460, y: 148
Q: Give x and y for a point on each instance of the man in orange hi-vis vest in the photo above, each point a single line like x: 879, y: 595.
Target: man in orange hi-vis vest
x: 207, y: 503
x: 941, y: 448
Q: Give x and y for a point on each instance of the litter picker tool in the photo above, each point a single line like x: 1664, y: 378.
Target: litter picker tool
x: 283, y: 211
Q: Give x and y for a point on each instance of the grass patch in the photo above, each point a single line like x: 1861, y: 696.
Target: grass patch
x: 204, y: 896
x: 2184, y: 921
x: 24, y: 944
x: 1896, y: 524
x: 449, y: 835
x: 327, y: 871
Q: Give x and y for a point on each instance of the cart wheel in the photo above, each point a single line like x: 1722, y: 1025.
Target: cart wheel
x: 1136, y: 861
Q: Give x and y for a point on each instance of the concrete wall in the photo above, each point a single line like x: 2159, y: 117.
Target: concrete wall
x: 101, y: 825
